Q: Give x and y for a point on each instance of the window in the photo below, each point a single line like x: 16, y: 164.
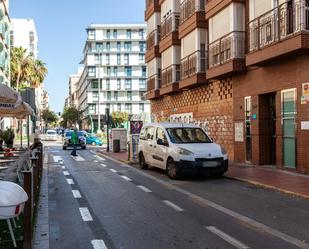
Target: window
x: 142, y: 46
x: 115, y: 33
x: 91, y: 71
x: 91, y: 34
x: 109, y: 96
x: 129, y: 33
x: 161, y: 135
x: 108, y: 34
x: 97, y: 59
x: 115, y: 71
x: 95, y: 96
x: 118, y: 59
x: 141, y: 107
x: 92, y: 109
x: 94, y: 84
x: 99, y: 47
x: 116, y: 96
x: 141, y: 33
x: 149, y: 133
x: 141, y: 58
x: 108, y: 46
x: 129, y: 96
x: 108, y: 58
x: 144, y: 71
x: 126, y: 59
x: 142, y: 84
x: 108, y: 71
x: 118, y: 107
x: 142, y: 95
x: 118, y: 46
x: 187, y: 135
x: 128, y: 108
x: 127, y: 46
x: 108, y: 84
x: 128, y: 71
x: 127, y: 84
x: 118, y: 84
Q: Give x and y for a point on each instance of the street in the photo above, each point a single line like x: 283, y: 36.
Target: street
x: 96, y: 202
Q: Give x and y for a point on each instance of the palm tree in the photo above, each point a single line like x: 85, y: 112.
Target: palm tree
x: 37, y: 74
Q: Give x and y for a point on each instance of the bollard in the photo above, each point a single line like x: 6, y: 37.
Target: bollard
x: 36, y: 180
x: 28, y: 211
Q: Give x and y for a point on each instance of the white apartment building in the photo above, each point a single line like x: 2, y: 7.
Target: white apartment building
x: 115, y: 72
x: 73, y: 87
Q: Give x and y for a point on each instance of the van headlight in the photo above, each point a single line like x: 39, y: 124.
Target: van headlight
x: 185, y: 152
x: 223, y: 151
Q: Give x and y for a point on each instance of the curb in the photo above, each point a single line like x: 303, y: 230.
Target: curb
x: 269, y: 187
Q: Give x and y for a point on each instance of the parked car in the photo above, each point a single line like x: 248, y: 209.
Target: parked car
x: 180, y: 149
x: 67, y: 140
x: 92, y: 139
x: 51, y: 135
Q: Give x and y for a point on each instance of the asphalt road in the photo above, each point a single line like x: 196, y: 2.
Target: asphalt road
x: 95, y: 202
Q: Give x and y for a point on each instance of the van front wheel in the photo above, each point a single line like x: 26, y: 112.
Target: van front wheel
x: 172, y: 170
x: 142, y: 162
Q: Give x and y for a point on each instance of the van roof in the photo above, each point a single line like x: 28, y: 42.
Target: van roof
x: 172, y: 125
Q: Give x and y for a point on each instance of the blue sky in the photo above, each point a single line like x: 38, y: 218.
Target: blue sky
x: 61, y: 29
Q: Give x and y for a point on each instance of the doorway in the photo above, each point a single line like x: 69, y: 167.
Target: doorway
x: 267, y: 129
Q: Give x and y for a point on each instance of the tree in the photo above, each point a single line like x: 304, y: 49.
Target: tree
x: 70, y: 116
x: 119, y: 118
x: 37, y: 73
x: 49, y: 117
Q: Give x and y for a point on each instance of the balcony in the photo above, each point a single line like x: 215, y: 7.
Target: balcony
x: 279, y: 32
x: 152, y: 6
x: 226, y: 55
x: 192, y: 16
x: 169, y: 32
x: 170, y: 79
x: 153, y: 84
x: 152, y: 43
x: 193, y: 70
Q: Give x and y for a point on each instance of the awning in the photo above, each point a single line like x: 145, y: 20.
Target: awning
x: 21, y: 111
x: 9, y: 96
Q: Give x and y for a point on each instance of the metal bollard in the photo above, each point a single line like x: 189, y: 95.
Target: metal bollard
x: 28, y: 211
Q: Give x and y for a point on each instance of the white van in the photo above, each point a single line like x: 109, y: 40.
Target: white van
x: 180, y: 149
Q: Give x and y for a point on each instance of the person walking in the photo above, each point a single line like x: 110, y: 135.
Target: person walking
x: 74, y: 140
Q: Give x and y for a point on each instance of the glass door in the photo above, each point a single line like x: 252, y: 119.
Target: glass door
x: 248, y: 129
x: 289, y: 127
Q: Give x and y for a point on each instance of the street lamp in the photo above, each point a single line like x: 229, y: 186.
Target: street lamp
x: 99, y: 77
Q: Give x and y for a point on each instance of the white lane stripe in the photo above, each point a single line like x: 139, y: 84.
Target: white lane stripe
x: 95, y: 161
x: 99, y: 158
x: 227, y: 237
x: 147, y: 190
x: 172, y: 205
x: 76, y: 194
x: 86, y: 216
x: 126, y: 178
x: 61, y: 162
x: 66, y: 173
x: 78, y: 158
x: 103, y: 165
x: 98, y: 244
x: 113, y: 170
x: 70, y: 181
x: 57, y: 158
x: 63, y: 167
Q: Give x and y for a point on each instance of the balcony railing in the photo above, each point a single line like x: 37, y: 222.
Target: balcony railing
x: 153, y: 39
x: 228, y: 47
x: 169, y: 24
x: 278, y: 24
x: 189, y: 7
x: 153, y: 82
x: 170, y: 74
x: 150, y: 2
x: 193, y: 64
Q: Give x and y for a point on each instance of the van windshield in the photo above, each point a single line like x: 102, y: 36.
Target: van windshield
x: 184, y: 135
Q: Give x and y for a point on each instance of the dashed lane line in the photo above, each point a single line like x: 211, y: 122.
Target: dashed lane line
x: 78, y: 158
x: 98, y: 244
x: 99, y: 158
x: 84, y: 212
x: 56, y: 159
x: 76, y: 194
x: 66, y: 173
x: 70, y: 181
x: 63, y: 167
x: 229, y: 239
x: 126, y: 178
x: 113, y: 170
x: 147, y: 190
x: 172, y: 205
x: 103, y: 165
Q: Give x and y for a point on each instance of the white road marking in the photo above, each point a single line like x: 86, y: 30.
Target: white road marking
x: 172, y: 205
x: 98, y: 244
x: 57, y: 158
x: 227, y: 237
x: 99, y: 158
x: 96, y: 161
x: 86, y: 216
x: 113, y: 170
x: 103, y: 165
x: 61, y: 162
x: 229, y: 212
x: 70, y: 181
x: 66, y: 173
x: 147, y: 190
x: 63, y: 167
x: 78, y: 158
x: 93, y: 152
x: 76, y: 194
x: 126, y: 178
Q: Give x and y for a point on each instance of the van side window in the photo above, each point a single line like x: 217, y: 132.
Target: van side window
x: 142, y: 134
x: 161, y: 135
x: 149, y: 133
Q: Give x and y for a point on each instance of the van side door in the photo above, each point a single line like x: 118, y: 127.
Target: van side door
x: 148, y: 144
x: 160, y: 149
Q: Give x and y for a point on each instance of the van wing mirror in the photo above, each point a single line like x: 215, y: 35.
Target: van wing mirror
x: 162, y: 142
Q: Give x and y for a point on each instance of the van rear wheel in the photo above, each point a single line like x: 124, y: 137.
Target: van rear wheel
x: 173, y: 171
x: 142, y: 162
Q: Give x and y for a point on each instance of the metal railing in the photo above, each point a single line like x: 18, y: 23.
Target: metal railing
x: 279, y: 23
x: 169, y: 24
x: 154, y: 82
x: 170, y: 74
x: 193, y: 64
x: 228, y: 47
x: 189, y: 7
x: 153, y: 38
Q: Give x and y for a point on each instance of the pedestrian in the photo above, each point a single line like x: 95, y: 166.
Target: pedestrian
x: 74, y: 141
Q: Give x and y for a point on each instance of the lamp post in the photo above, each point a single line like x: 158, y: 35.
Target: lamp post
x: 107, y: 126
x: 99, y: 77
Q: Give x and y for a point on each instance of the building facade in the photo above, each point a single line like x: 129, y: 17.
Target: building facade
x: 237, y: 68
x: 73, y: 87
x: 115, y: 74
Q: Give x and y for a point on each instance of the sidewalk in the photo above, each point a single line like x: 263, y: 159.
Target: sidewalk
x: 280, y: 180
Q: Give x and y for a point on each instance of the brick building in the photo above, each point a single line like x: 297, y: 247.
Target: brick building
x: 238, y: 68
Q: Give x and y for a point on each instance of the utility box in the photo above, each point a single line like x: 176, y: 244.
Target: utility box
x: 121, y: 135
